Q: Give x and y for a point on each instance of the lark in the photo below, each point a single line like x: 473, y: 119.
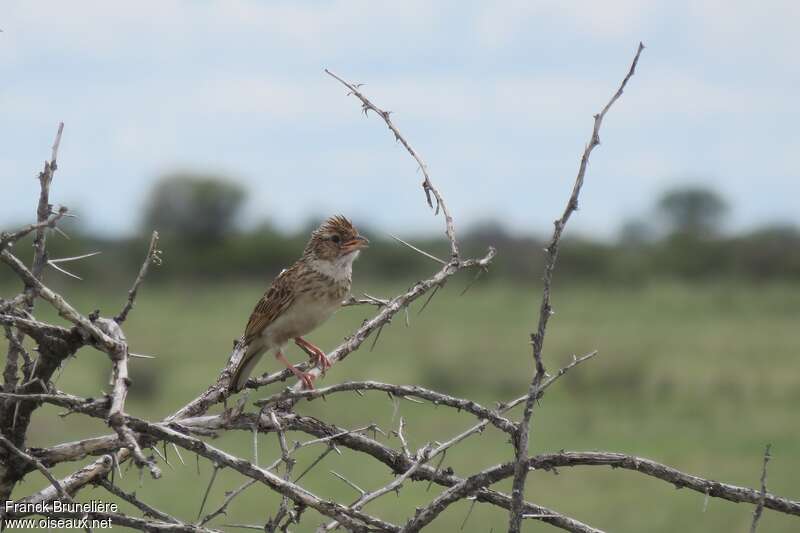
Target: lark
x: 301, y: 298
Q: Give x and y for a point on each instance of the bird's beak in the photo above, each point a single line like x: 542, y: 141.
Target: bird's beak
x: 356, y: 244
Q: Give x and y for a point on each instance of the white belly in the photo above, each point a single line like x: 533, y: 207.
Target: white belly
x: 303, y: 316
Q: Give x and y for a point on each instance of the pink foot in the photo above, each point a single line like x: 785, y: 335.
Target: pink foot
x: 320, y: 359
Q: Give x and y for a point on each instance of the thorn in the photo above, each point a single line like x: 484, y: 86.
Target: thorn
x: 75, y: 258
x: 70, y: 274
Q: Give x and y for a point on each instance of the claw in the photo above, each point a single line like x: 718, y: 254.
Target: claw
x: 308, y: 380
x: 306, y: 377
x: 320, y: 359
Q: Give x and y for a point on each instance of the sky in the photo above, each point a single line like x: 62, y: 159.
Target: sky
x: 497, y: 97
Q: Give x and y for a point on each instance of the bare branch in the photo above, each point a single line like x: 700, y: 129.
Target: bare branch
x: 64, y: 309
x: 43, y: 212
x: 400, y: 462
x: 397, y: 390
x: 74, y: 481
x: 421, y: 457
x: 148, y: 510
x: 618, y: 460
x: 545, y: 310
x: 116, y: 413
x: 153, y: 257
x: 427, y: 186
x: 366, y: 300
x: 208, y: 489
x: 760, y: 507
x: 7, y: 239
x: 38, y: 465
x: 349, y: 518
x: 229, y: 497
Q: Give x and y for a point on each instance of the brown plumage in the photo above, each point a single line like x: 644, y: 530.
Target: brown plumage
x: 301, y: 298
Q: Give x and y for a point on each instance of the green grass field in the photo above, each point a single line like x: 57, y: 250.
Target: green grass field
x: 699, y: 377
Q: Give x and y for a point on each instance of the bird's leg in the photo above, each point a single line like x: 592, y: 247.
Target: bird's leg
x: 306, y: 377
x: 322, y: 360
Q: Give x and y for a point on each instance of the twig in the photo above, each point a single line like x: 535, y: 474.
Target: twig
x: 427, y: 186
x: 349, y: 518
x: 64, y: 309
x: 10, y: 411
x: 38, y: 465
x: 153, y: 257
x: 469, y: 513
x: 545, y: 310
x: 314, y: 463
x: 121, y: 382
x: 760, y: 507
x: 420, y: 458
x: 148, y: 510
x: 7, y: 239
x: 396, y: 390
x: 229, y: 496
x: 366, y: 300
x: 401, y: 435
x: 400, y: 462
x: 288, y: 465
x: 217, y: 468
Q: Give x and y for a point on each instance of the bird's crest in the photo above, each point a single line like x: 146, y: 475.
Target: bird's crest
x: 336, y: 224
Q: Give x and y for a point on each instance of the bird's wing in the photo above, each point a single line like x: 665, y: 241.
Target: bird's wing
x: 275, y: 301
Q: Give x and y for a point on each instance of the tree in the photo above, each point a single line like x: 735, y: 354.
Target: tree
x: 198, y: 207
x: 693, y: 211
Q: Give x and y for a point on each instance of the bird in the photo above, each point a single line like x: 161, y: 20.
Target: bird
x: 301, y: 298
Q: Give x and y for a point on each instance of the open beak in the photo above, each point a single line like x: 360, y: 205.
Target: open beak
x: 356, y: 244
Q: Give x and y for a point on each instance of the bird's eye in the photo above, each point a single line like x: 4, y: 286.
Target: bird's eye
x: 336, y: 239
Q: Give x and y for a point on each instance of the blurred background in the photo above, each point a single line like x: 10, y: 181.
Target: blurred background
x: 214, y: 124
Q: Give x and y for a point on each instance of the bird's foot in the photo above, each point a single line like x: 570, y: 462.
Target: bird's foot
x: 319, y: 357
x: 322, y: 361
x: 307, y: 378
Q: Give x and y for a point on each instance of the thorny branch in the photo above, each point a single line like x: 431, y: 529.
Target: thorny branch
x: 190, y: 424
x: 545, y: 310
x: 153, y: 257
x: 763, y: 497
x: 427, y: 186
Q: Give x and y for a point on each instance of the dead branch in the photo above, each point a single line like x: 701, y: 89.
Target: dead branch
x: 8, y: 239
x: 763, y: 497
x: 153, y: 257
x: 397, y: 390
x: 148, y: 510
x: 427, y: 186
x: 545, y: 310
x: 36, y: 464
x: 350, y: 518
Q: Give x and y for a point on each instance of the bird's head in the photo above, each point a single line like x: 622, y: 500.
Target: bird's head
x: 335, y: 240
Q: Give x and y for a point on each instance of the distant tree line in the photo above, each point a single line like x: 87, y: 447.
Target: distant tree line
x: 196, y: 216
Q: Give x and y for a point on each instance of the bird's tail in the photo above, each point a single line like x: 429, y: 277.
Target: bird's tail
x: 245, y: 367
